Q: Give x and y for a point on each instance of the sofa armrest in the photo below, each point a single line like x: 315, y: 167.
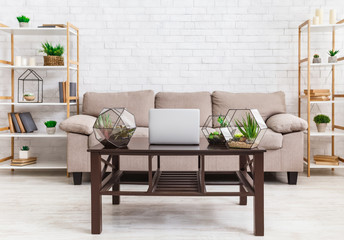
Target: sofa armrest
x: 82, y: 124
x: 286, y: 123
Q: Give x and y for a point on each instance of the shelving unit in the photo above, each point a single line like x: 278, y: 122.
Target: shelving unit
x: 337, y: 131
x: 72, y: 65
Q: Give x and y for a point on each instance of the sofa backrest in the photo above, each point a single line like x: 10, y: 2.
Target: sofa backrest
x: 138, y: 103
x: 197, y: 100
x: 267, y: 104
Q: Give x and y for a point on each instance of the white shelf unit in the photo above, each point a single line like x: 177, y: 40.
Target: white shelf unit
x: 72, y: 65
x: 336, y: 130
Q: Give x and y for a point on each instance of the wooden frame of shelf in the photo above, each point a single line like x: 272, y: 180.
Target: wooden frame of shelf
x: 308, y: 28
x: 71, y: 65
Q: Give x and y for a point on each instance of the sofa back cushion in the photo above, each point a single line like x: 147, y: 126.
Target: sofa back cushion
x: 267, y: 104
x: 196, y: 100
x: 138, y: 103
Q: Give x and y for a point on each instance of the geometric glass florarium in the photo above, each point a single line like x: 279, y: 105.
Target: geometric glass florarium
x: 114, y: 126
x: 212, y: 129
x: 245, y: 129
x: 30, y: 87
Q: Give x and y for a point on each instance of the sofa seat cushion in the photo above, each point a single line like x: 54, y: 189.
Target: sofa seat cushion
x: 196, y: 100
x: 82, y: 124
x: 137, y: 103
x: 267, y: 104
x: 271, y: 140
x: 286, y: 123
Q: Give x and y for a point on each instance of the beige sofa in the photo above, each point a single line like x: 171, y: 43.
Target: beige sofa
x: 283, y: 142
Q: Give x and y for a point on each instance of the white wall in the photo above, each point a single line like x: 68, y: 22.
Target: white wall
x: 178, y: 45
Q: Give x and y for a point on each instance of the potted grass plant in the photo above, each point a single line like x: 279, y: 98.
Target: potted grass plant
x: 23, y: 21
x: 321, y: 121
x: 51, y: 126
x: 54, y: 54
x: 332, y: 56
x: 316, y: 58
x: 24, y: 152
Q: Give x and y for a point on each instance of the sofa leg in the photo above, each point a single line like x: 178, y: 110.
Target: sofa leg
x: 292, y: 178
x: 77, y: 178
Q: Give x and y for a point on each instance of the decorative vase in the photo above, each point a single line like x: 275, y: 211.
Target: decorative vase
x: 332, y: 59
x: 29, y: 98
x: 51, y: 130
x: 24, y: 154
x: 316, y: 60
x: 24, y: 24
x: 321, y: 127
x: 53, y: 61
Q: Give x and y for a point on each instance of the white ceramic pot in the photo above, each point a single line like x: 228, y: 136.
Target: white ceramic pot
x: 321, y: 127
x: 332, y: 59
x: 51, y: 130
x: 24, y: 154
x: 316, y: 60
x: 24, y: 24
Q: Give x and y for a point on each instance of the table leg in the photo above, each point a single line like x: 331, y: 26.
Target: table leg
x: 96, y: 198
x: 258, y: 178
x: 243, y: 161
x: 116, y: 186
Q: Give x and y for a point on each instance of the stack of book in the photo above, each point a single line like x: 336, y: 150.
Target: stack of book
x: 326, y: 160
x: 23, y: 161
x: 319, y: 94
x: 21, y: 122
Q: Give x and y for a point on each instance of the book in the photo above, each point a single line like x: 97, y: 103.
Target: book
x: 317, y: 91
x: 326, y: 163
x: 23, y: 160
x: 10, y: 122
x: 326, y: 157
x: 319, y: 94
x: 58, y: 25
x: 320, y: 98
x: 62, y: 91
x: 28, y: 122
x: 21, y: 126
x: 15, y: 123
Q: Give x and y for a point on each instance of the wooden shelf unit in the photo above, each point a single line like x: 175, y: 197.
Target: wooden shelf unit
x: 307, y: 28
x: 72, y: 65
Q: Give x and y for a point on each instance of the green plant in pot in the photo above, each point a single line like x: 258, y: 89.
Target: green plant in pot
x: 332, y: 56
x: 216, y: 137
x: 316, y: 58
x: 29, y: 96
x: 23, y: 21
x: 54, y: 54
x: 321, y: 121
x: 248, y: 132
x: 51, y: 126
x: 24, y: 152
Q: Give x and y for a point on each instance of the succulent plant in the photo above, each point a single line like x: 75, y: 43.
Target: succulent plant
x: 222, y: 121
x: 316, y: 56
x: 50, y: 124
x: 23, y: 18
x: 248, y: 127
x: 321, y: 118
x: 51, y: 50
x: 25, y: 148
x: 333, y: 53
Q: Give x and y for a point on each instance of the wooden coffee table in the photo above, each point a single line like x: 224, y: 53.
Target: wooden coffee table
x: 168, y: 183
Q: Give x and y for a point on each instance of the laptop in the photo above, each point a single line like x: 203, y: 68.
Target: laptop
x: 174, y: 126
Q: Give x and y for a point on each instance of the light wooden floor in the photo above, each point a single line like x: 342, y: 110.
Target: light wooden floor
x: 45, y: 205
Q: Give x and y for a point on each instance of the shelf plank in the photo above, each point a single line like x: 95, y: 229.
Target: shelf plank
x: 37, y: 31
x: 323, y: 27
x: 339, y: 63
x: 58, y: 134
x: 313, y: 165
x: 36, y: 104
x: 304, y: 100
x: 325, y: 134
x: 37, y: 67
x: 41, y: 164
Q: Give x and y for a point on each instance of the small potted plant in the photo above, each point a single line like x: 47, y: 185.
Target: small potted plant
x: 316, y: 58
x: 24, y: 152
x: 29, y: 97
x: 332, y: 58
x: 23, y: 21
x: 321, y: 121
x: 51, y: 126
x: 54, y: 54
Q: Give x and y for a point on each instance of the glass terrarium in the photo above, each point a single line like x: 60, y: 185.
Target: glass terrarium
x: 212, y: 129
x: 245, y: 129
x: 30, y: 87
x: 114, y: 126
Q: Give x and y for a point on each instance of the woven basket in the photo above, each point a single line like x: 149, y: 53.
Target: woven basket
x: 53, y: 61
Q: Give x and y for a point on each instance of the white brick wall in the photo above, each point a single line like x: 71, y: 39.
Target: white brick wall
x: 178, y: 45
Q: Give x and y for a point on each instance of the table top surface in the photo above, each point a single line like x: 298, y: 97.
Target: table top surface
x: 141, y: 146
